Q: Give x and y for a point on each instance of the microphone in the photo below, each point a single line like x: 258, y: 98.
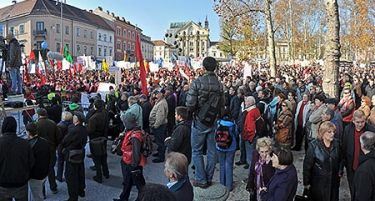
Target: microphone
x: 55, y: 55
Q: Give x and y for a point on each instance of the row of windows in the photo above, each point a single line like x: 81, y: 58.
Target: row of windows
x: 104, y: 51
x: 129, y: 34
x: 130, y: 46
x: 104, y: 38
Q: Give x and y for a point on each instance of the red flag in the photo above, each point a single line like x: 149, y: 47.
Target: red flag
x: 32, y: 55
x: 142, y: 71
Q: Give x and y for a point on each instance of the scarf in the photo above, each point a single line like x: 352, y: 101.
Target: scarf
x: 259, y: 176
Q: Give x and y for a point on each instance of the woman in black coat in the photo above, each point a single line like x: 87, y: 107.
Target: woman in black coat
x: 261, y: 169
x: 322, y: 164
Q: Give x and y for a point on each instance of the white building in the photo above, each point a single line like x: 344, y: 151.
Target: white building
x: 147, y: 47
x: 163, y: 51
x: 215, y: 52
x: 189, y: 38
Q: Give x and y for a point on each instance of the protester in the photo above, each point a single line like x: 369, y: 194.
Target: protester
x: 364, y: 181
x: 63, y: 125
x: 176, y: 170
x: 16, y: 162
x: 41, y: 151
x: 284, y: 125
x: 322, y: 164
x: 261, y: 170
x: 14, y: 62
x: 300, y: 118
x: 347, y: 106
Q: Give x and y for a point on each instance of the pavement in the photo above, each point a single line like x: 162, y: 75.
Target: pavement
x: 154, y: 173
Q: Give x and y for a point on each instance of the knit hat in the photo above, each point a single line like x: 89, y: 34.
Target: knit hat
x: 9, y: 125
x: 80, y: 116
x: 41, y: 112
x: 130, y: 121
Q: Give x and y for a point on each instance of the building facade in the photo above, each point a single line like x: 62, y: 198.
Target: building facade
x: 189, y: 38
x: 215, y: 52
x: 124, y: 36
x: 163, y: 51
x: 147, y: 48
x: 35, y: 21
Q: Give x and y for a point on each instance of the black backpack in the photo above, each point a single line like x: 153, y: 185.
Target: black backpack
x: 208, y: 113
x: 261, y: 128
x: 223, y: 136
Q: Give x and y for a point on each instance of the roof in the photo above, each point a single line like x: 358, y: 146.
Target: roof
x: 50, y: 7
x: 213, y: 43
x: 160, y: 43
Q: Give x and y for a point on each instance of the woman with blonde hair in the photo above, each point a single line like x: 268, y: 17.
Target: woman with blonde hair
x: 321, y: 165
x: 261, y: 169
x: 365, y: 106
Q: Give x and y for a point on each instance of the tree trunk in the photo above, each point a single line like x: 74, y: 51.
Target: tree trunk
x: 271, y: 39
x: 332, y: 54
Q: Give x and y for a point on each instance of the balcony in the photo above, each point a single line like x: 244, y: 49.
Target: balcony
x: 41, y: 33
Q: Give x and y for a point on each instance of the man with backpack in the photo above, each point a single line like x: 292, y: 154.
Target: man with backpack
x: 133, y: 160
x: 205, y: 101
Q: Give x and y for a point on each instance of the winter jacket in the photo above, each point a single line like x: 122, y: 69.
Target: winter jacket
x: 137, y: 111
x: 337, y: 120
x: 146, y: 110
x: 40, y: 148
x: 48, y: 130
x: 200, y: 91
x: 321, y: 170
x: 282, y: 186
x: 235, y: 107
x: 370, y: 90
x: 182, y: 190
x: 98, y: 124
x: 131, y: 149
x: 76, y: 139
x: 63, y: 127
x: 267, y: 173
x: 158, y: 115
x: 364, y: 179
x: 54, y: 113
x: 16, y: 161
x: 304, y: 118
x: 315, y: 119
x: 347, y: 108
x: 180, y: 139
x: 249, y: 130
x: 14, y: 54
x: 347, y: 147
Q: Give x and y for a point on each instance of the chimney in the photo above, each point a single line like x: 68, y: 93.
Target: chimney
x: 90, y: 10
x: 108, y: 12
x: 14, y: 2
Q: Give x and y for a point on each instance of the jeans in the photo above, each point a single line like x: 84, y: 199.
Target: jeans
x: 201, y: 134
x: 160, y: 135
x: 249, y: 146
x: 131, y: 176
x: 15, y: 76
x: 36, y: 189
x: 19, y: 194
x: 226, y: 160
x: 242, y: 150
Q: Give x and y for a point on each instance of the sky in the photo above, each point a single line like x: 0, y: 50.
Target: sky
x: 154, y: 16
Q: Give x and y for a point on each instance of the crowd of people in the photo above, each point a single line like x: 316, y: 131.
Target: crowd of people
x: 198, y: 118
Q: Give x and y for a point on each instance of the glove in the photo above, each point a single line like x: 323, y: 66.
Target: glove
x: 306, y: 193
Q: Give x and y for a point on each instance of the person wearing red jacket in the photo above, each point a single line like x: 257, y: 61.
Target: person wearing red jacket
x: 133, y: 160
x: 249, y: 131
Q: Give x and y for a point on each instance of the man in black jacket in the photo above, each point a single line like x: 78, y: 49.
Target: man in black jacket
x: 205, y: 101
x: 171, y: 99
x: 97, y: 128
x: 146, y: 109
x: 48, y: 130
x: 180, y: 138
x: 41, y: 151
x: 351, y: 148
x: 364, y: 177
x: 16, y: 162
x: 73, y: 146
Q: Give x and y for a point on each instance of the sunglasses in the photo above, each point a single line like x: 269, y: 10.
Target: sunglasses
x: 283, y: 105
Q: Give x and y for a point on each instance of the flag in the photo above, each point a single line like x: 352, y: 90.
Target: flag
x: 67, y: 55
x: 41, y: 70
x: 105, y: 66
x: 142, y: 70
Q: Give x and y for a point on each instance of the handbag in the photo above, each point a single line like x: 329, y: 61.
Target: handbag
x: 282, y: 136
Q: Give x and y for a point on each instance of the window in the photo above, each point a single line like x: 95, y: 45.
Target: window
x: 124, y: 33
x: 84, y: 33
x: 67, y: 46
x: 105, y: 37
x: 110, y: 39
x: 91, y: 35
x: 78, y: 50
x: 124, y: 46
x: 58, y: 47
x: 133, y: 35
x: 105, y: 51
x: 67, y: 30
x: 133, y: 46
x: 85, y: 50
x: 99, y: 51
x: 100, y: 37
x: 91, y: 50
x: 129, y: 34
x: 78, y: 32
x: 11, y: 30
x: 21, y: 29
x: 119, y: 31
x: 40, y: 26
x: 129, y: 46
x: 118, y: 45
x: 110, y: 51
x: 57, y: 28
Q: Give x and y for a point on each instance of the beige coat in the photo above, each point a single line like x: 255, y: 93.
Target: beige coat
x: 315, y: 119
x: 158, y: 115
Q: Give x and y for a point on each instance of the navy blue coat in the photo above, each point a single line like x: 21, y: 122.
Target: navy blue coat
x: 283, y: 185
x: 183, y: 190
